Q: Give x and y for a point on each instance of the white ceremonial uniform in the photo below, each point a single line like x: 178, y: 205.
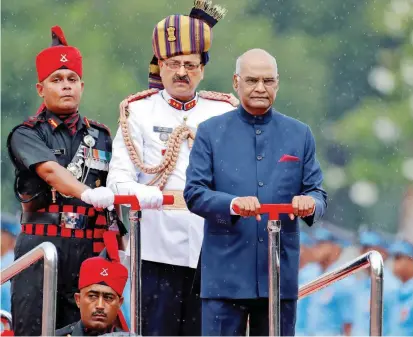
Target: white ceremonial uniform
x: 168, y: 236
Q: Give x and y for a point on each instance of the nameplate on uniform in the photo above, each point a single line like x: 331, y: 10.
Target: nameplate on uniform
x: 162, y: 129
x: 59, y: 151
x: 163, y: 132
x: 97, y: 159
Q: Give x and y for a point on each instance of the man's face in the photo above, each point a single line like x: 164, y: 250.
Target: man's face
x: 381, y: 250
x: 326, y: 251
x: 99, y: 306
x: 61, y: 91
x: 403, y: 266
x: 256, y: 84
x: 8, y: 242
x: 181, y: 82
x: 306, y: 254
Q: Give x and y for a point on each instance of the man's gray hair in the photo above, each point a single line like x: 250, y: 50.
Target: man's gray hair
x: 239, y: 61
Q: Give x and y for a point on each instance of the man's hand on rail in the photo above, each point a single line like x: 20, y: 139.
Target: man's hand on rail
x: 100, y: 197
x: 150, y: 197
x: 303, y: 205
x: 248, y: 206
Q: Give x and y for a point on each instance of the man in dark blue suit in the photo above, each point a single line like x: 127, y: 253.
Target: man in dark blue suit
x: 245, y: 157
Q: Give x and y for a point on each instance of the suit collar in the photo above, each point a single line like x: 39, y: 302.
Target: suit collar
x: 250, y: 119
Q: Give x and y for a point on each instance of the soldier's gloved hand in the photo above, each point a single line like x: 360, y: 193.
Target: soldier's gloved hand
x: 150, y: 197
x: 100, y: 197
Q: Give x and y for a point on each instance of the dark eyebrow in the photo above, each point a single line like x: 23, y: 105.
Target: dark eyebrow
x: 72, y: 74
x: 109, y: 294
x: 94, y: 292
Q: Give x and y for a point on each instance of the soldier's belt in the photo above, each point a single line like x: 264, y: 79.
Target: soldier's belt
x: 67, y: 221
x: 64, y: 219
x: 179, y: 201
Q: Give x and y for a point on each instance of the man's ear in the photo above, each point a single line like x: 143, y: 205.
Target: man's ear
x: 161, y: 66
x: 77, y: 299
x: 235, y: 82
x: 82, y: 85
x: 40, y: 89
x: 202, y: 71
x: 121, y: 301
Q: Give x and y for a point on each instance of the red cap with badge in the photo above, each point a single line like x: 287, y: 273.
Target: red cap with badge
x: 105, y: 270
x: 59, y: 55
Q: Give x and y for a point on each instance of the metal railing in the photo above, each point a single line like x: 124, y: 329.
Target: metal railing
x: 136, y: 256
x: 5, y: 317
x: 274, y: 277
x: 372, y: 260
x: 47, y: 251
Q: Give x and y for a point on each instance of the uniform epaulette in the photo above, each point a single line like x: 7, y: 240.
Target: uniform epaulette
x: 135, y: 97
x: 141, y: 94
x: 99, y: 125
x: 33, y: 120
x: 219, y: 96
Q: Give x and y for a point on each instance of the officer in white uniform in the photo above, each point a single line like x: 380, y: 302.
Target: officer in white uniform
x: 150, y: 156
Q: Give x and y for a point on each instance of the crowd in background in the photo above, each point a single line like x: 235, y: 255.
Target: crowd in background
x: 343, y: 308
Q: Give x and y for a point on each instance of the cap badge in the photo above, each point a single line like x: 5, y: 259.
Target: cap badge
x: 63, y: 58
x: 104, y: 272
x: 171, y: 34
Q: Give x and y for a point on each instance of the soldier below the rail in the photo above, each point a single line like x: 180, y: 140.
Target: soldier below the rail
x: 374, y: 240
x: 61, y: 161
x: 331, y: 309
x: 402, y: 310
x: 309, y: 271
x: 150, y: 156
x: 101, y: 283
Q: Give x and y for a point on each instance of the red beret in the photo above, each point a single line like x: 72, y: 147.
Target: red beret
x: 57, y: 56
x: 98, y: 269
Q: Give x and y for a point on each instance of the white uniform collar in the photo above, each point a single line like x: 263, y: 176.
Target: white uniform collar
x: 178, y: 105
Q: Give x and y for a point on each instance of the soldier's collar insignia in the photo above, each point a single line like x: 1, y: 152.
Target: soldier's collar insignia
x: 53, y: 120
x: 178, y: 105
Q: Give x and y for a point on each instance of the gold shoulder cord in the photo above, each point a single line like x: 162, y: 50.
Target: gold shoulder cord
x: 179, y: 135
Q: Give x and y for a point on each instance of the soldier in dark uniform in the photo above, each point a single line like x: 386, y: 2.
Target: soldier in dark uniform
x: 61, y: 162
x: 101, y: 283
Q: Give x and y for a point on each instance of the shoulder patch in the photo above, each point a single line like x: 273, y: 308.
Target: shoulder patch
x: 33, y: 120
x: 219, y: 96
x: 99, y: 125
x: 123, y: 106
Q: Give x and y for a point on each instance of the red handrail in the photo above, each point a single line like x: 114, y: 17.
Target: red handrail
x: 134, y: 202
x: 273, y: 210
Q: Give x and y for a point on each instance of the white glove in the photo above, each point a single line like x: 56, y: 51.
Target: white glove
x: 100, y: 197
x: 150, y: 197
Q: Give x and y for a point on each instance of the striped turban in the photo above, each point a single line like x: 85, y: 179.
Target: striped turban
x: 184, y: 35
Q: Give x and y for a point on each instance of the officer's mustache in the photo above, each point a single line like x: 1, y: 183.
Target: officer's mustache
x: 178, y: 78
x: 99, y: 313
